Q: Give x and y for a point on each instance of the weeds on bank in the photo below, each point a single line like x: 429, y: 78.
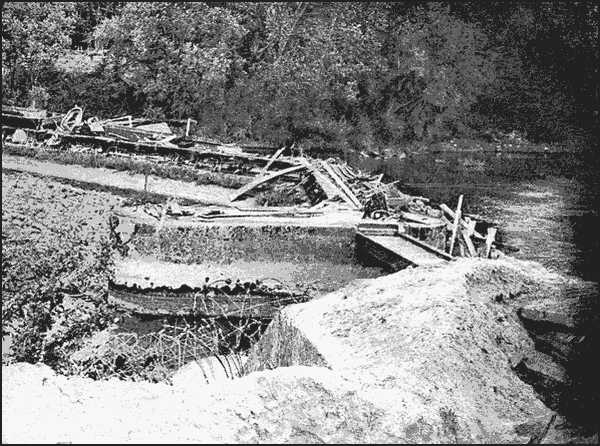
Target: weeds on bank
x: 156, y: 356
x: 90, y: 158
x: 54, y: 293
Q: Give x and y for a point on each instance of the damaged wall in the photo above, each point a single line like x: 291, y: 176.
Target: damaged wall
x: 225, y: 243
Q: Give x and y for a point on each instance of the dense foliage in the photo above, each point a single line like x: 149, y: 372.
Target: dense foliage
x: 55, y: 263
x: 357, y: 75
x: 39, y: 282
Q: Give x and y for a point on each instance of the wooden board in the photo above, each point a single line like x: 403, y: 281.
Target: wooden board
x: 405, y: 249
x: 455, y: 223
x: 463, y: 223
x: 330, y: 190
x: 423, y: 219
x: 344, y: 188
x: 266, y: 179
x: 158, y: 127
x: 491, y: 235
x: 273, y: 158
x: 468, y: 243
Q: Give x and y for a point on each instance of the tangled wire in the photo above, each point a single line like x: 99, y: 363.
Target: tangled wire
x: 156, y: 356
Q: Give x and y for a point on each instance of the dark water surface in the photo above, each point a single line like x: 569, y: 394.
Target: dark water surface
x: 548, y: 205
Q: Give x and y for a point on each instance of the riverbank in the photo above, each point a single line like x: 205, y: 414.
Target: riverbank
x: 110, y: 179
x: 422, y: 355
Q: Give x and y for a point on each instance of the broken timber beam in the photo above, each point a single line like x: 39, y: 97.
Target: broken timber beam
x: 491, y: 235
x: 468, y: 243
x: 340, y: 183
x: 463, y: 222
x: 456, y: 223
x: 273, y: 158
x: 266, y: 179
x: 330, y: 189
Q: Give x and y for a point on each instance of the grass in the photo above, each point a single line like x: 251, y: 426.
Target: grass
x: 90, y: 158
x: 153, y: 356
x: 55, y: 261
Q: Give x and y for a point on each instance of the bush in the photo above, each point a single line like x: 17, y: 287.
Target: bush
x: 54, y: 293
x: 56, y: 259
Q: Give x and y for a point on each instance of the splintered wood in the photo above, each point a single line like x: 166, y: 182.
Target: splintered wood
x: 332, y: 180
x: 455, y: 224
x: 265, y: 179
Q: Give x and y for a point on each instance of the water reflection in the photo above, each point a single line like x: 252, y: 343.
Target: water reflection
x: 548, y: 206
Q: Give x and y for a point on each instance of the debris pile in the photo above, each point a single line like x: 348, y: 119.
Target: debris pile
x: 316, y: 185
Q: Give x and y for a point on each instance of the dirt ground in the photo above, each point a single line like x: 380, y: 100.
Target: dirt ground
x: 32, y: 207
x: 420, y: 356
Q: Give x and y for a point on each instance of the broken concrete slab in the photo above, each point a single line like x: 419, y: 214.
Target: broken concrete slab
x: 420, y: 346
x: 567, y: 314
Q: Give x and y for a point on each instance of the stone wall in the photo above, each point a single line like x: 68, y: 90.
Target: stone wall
x: 227, y: 243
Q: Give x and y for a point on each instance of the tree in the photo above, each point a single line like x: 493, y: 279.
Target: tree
x: 33, y: 35
x: 437, y: 67
x: 547, y: 75
x: 305, y: 60
x: 177, y: 57
x: 90, y: 15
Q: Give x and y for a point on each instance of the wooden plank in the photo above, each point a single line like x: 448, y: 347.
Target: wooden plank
x: 468, y: 243
x: 427, y: 246
x: 330, y: 190
x: 271, y: 160
x: 366, y: 225
x: 406, y: 249
x: 262, y: 180
x: 342, y: 173
x: 187, y: 127
x: 469, y: 227
x: 455, y: 223
x: 120, y: 119
x: 450, y: 213
x: 491, y: 235
x: 423, y: 219
x: 340, y: 183
x: 156, y: 127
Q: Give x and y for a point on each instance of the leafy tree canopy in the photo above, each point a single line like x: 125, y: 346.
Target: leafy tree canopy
x: 351, y: 74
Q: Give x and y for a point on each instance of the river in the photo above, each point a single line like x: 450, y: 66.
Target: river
x: 546, y: 205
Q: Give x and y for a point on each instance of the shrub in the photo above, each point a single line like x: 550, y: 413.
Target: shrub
x: 54, y: 293
x: 56, y: 257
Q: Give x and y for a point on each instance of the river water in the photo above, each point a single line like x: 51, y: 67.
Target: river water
x: 546, y: 205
